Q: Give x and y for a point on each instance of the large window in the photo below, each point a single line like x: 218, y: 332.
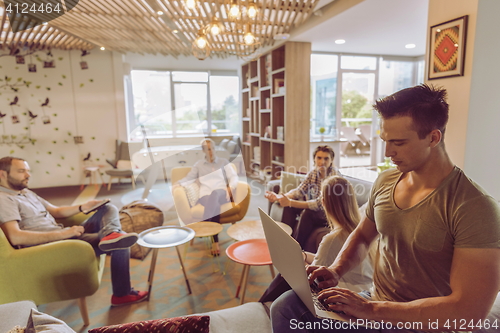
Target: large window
x: 324, y: 72
x: 343, y: 90
x: 179, y: 104
x: 395, y: 75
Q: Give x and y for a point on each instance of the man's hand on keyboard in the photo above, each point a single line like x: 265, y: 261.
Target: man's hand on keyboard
x: 325, y: 277
x: 347, y: 301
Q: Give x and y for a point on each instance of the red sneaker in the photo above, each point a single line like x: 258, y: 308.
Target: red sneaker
x: 118, y: 241
x: 134, y: 297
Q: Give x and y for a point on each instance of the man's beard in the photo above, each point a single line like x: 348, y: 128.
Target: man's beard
x: 15, y: 184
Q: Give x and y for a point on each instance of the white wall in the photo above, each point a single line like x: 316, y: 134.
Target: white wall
x: 482, y: 158
x: 472, y: 132
x: 89, y: 103
x: 157, y: 62
x: 458, y: 87
x: 82, y: 102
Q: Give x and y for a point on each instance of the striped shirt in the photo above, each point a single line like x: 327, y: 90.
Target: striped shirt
x: 310, y: 189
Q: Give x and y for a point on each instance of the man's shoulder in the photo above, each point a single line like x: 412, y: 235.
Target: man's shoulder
x: 466, y: 188
x: 387, y: 177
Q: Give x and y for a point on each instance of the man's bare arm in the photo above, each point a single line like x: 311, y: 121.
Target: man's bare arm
x: 474, y: 280
x: 352, y: 254
x: 67, y: 211
x: 17, y: 236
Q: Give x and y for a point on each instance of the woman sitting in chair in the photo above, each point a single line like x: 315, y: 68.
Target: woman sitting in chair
x: 341, y: 208
x: 305, y: 200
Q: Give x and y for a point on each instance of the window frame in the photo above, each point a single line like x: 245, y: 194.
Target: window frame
x: 130, y: 107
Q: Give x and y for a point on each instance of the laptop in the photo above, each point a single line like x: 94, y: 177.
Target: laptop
x: 287, y: 257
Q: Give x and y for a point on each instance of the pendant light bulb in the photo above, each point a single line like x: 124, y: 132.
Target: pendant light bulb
x: 216, y: 27
x: 190, y: 4
x: 215, y: 30
x: 249, y: 38
x: 234, y: 11
x: 201, y: 42
x: 252, y: 11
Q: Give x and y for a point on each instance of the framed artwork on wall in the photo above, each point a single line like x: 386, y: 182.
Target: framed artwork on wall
x: 447, y: 48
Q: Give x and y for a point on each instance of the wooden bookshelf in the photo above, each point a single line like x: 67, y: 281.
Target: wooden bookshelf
x: 275, y: 96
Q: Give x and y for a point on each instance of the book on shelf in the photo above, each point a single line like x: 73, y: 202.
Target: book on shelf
x: 280, y: 133
x: 268, y: 69
x: 267, y: 133
x: 278, y: 83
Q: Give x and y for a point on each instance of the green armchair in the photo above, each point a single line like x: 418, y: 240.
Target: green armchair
x: 50, y: 272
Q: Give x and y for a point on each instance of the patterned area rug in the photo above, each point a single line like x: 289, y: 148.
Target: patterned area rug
x: 211, y: 290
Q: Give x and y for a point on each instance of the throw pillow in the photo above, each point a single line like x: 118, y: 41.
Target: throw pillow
x: 223, y: 143
x: 199, y: 324
x: 42, y: 322
x: 289, y: 181
x: 231, y: 147
x: 192, y: 193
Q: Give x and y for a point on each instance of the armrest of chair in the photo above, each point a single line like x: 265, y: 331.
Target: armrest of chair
x: 49, y: 272
x: 272, y: 186
x: 74, y: 220
x: 182, y: 205
x: 62, y: 256
x: 242, y: 197
x: 242, y: 192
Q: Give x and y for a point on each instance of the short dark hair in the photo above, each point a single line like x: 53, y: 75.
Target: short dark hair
x: 325, y: 149
x: 425, y: 104
x: 6, y: 162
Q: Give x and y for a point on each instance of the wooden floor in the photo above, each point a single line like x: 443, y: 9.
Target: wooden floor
x: 213, y: 280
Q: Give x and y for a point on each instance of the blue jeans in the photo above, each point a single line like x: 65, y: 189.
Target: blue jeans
x: 289, y: 314
x: 105, y: 221
x: 212, y: 204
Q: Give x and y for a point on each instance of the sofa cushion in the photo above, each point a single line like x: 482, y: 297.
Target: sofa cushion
x: 227, y: 209
x: 245, y: 318
x: 42, y: 322
x: 361, y: 187
x: 15, y: 314
x: 119, y: 173
x: 289, y: 181
x: 185, y: 324
x: 223, y: 143
x: 231, y: 147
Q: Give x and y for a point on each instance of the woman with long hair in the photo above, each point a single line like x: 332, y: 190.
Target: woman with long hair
x: 342, y: 213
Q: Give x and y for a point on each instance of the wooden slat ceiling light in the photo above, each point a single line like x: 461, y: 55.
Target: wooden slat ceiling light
x: 165, y: 27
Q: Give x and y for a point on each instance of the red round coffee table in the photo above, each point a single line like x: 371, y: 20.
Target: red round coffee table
x: 250, y: 252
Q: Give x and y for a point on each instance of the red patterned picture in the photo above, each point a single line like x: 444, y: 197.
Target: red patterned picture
x: 447, y: 48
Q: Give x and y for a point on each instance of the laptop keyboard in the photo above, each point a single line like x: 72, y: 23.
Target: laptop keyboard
x: 314, y: 291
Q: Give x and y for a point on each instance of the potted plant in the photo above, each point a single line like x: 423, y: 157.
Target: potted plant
x: 322, y: 131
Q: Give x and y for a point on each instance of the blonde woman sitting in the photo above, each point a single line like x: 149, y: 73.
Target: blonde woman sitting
x: 343, y: 215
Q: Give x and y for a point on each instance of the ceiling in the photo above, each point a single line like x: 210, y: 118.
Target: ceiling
x: 164, y: 27
x: 368, y: 26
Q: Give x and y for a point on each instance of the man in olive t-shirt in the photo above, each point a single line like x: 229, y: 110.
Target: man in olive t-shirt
x: 438, y: 261
x: 416, y: 244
